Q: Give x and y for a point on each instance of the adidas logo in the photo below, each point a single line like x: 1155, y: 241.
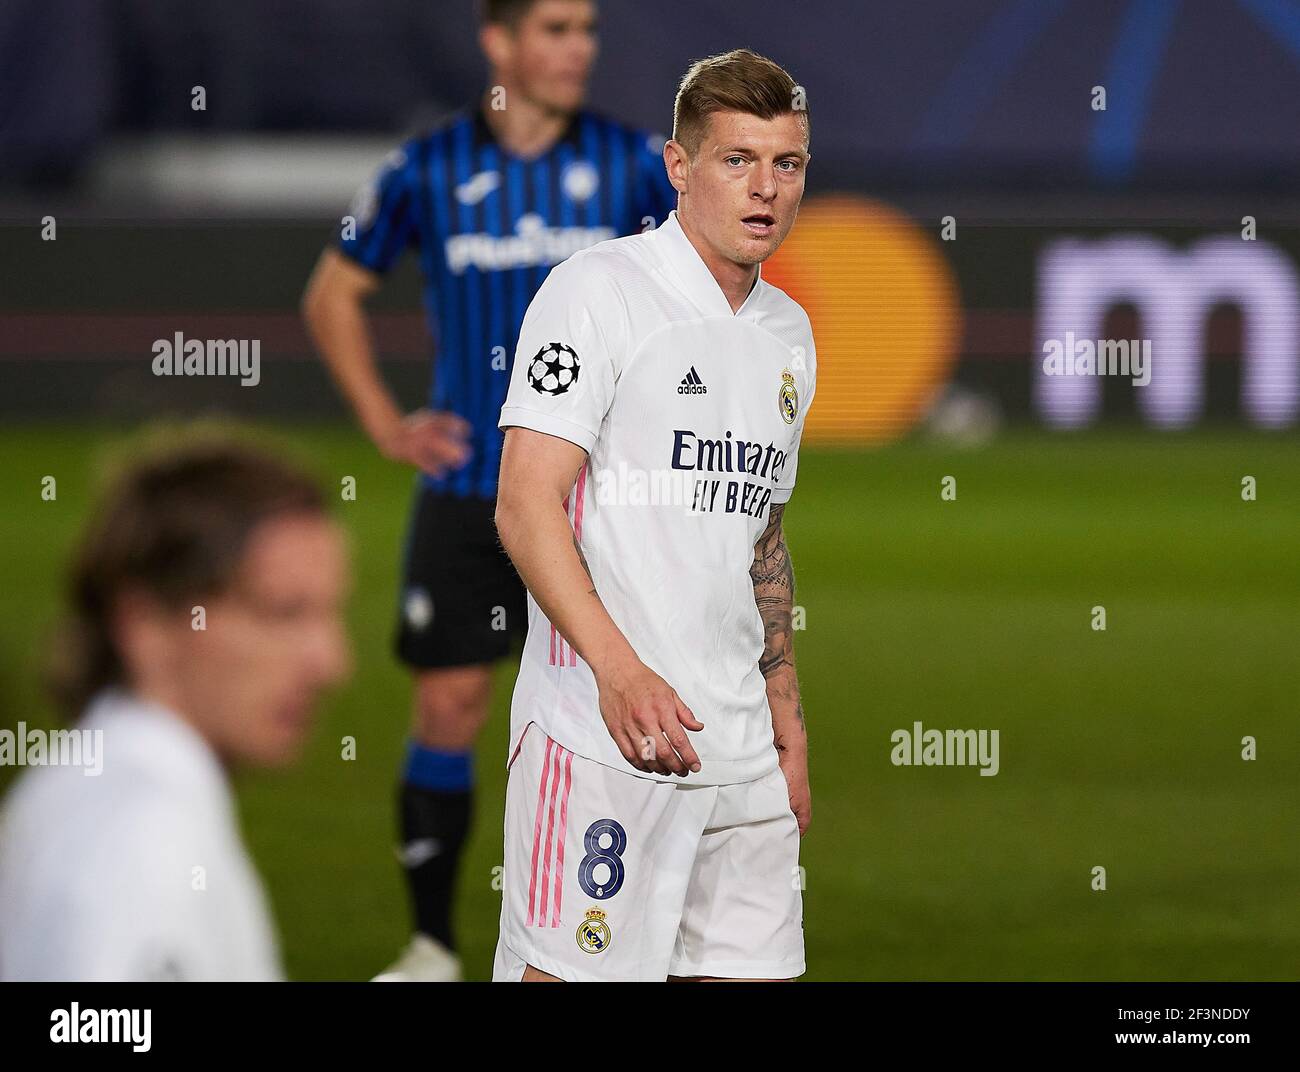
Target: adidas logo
x: 692, y: 384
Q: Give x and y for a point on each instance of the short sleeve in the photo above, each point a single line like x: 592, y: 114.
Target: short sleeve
x: 656, y: 197
x: 805, y: 387
x: 569, y: 353
x: 383, y: 215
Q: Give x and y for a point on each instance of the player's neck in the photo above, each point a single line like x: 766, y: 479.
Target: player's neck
x: 524, y: 128
x: 170, y: 697
x: 735, y: 280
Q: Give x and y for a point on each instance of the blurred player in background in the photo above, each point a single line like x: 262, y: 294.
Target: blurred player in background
x: 205, y: 620
x: 489, y: 202
x: 658, y: 779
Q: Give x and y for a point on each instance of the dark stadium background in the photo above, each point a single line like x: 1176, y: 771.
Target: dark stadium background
x: 1119, y: 749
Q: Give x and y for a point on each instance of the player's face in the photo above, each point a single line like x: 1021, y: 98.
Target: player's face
x: 272, y: 643
x: 742, y: 190
x: 551, y: 52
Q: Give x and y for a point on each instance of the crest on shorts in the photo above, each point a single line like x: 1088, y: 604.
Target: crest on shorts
x: 593, y: 932
x: 418, y: 608
x: 787, y: 400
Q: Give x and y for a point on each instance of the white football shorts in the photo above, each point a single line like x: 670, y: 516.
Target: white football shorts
x: 613, y: 877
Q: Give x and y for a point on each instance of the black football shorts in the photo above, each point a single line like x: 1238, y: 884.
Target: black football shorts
x: 461, y: 602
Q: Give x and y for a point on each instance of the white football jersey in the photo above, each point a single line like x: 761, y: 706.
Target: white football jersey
x: 691, y: 417
x: 137, y: 873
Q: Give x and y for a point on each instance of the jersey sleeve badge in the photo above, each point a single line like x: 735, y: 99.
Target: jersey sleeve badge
x: 788, y: 398
x: 553, y: 369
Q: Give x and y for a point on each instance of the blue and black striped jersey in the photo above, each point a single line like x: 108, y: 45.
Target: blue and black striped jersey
x: 488, y: 227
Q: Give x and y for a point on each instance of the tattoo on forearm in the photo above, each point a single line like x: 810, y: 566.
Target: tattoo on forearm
x: 773, y: 577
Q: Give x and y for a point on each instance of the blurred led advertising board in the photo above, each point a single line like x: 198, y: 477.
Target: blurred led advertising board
x: 1061, y: 325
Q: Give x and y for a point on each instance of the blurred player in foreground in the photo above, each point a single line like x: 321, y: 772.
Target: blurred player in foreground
x: 490, y: 201
x: 658, y: 779
x: 205, y: 620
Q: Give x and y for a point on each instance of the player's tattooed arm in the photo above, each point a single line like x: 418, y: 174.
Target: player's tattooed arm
x: 773, y: 577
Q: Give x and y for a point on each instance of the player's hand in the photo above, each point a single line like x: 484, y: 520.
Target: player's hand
x: 793, y: 758
x: 430, y: 440
x: 648, y: 720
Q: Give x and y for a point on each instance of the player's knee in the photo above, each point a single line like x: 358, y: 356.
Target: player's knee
x: 451, y: 706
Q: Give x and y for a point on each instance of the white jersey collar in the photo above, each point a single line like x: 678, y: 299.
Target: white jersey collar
x: 684, y: 260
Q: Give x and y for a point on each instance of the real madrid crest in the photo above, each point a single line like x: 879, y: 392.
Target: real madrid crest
x: 593, y: 932
x: 788, y: 399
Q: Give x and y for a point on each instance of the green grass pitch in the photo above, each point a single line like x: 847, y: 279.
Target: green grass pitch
x: 1119, y: 749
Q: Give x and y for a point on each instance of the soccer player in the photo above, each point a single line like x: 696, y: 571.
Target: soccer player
x: 489, y: 202
x: 658, y: 779
x: 205, y: 620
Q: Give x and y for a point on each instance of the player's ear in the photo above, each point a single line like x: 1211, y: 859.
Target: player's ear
x: 142, y: 630
x: 494, y: 41
x: 677, y: 164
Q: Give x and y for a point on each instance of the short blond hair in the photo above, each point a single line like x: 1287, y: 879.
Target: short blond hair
x: 735, y: 81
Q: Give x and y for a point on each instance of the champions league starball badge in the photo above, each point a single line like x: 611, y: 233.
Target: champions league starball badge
x: 553, y: 369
